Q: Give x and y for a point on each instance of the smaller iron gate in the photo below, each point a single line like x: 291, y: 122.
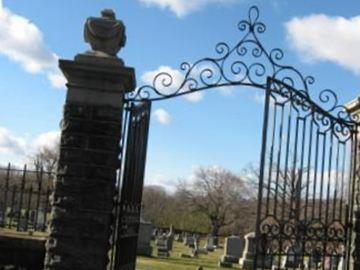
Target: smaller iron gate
x: 305, y: 190
x: 130, y: 185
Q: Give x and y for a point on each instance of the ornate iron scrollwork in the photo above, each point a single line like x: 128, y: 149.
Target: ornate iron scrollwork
x: 248, y: 63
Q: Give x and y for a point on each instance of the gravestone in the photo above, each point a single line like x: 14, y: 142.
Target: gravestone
x: 154, y: 234
x: 334, y: 262
x: 185, y: 236
x: 162, y: 246
x: 293, y: 257
x: 341, y: 263
x: 189, y: 240
x: 248, y: 256
x: 170, y: 237
x: 198, y: 250
x: 216, y: 241
x: 315, y: 259
x: 178, y: 237
x: 145, y: 233
x: 210, y: 243
x: 233, y: 249
x: 40, y: 220
x: 31, y: 216
x: 22, y: 225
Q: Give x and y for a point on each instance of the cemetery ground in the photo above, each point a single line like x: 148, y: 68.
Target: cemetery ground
x: 175, y: 262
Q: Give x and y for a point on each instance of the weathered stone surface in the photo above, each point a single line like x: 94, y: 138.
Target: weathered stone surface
x: 82, y: 203
x: 81, y: 213
x: 106, y: 34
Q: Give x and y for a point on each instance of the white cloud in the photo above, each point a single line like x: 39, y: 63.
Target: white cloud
x: 322, y: 37
x: 22, y: 42
x: 46, y: 140
x: 162, y: 116
x: 57, y: 79
x: 11, y: 144
x: 169, y: 84
x: 174, y: 81
x: 16, y: 148
x: 159, y: 179
x: 194, y: 97
x: 184, y: 7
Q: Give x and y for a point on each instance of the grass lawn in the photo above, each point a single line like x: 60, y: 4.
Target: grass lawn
x: 175, y: 262
x: 27, y: 235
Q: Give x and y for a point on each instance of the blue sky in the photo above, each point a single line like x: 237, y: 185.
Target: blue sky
x: 320, y: 38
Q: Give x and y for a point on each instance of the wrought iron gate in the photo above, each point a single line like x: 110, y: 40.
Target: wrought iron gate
x: 130, y: 185
x: 305, y: 190
x: 308, y: 159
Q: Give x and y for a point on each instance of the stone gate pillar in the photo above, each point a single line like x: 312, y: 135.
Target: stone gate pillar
x: 354, y: 108
x: 91, y: 127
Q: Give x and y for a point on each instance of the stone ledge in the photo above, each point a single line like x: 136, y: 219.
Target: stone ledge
x: 22, y: 251
x: 102, y: 70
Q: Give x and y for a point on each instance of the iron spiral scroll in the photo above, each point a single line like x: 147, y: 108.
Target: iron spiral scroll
x: 248, y: 63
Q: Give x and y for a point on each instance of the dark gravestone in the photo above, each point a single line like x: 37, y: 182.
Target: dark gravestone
x: 162, y: 245
x: 233, y: 249
x: 293, y: 257
x: 315, y: 259
x: 189, y: 240
x: 145, y: 233
x: 210, y: 243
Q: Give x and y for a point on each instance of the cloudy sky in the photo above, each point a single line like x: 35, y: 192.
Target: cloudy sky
x: 217, y: 127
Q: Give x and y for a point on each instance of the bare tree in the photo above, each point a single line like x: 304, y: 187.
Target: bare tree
x: 45, y: 158
x: 164, y: 209
x: 155, y: 203
x: 289, y: 186
x: 219, y: 194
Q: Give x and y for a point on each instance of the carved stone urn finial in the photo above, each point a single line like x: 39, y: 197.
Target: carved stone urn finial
x: 106, y: 35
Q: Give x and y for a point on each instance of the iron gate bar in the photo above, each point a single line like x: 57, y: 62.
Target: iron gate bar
x: 295, y: 229
x: 248, y: 63
x: 127, y: 208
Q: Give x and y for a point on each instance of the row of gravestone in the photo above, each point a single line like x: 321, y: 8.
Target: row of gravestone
x: 164, y: 243
x: 236, y: 251
x: 23, y: 220
x: 242, y: 252
x: 192, y: 241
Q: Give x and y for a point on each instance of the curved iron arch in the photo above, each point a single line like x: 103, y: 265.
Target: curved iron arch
x: 248, y: 63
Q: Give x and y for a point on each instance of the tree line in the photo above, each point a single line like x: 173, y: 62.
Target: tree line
x: 216, y: 201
